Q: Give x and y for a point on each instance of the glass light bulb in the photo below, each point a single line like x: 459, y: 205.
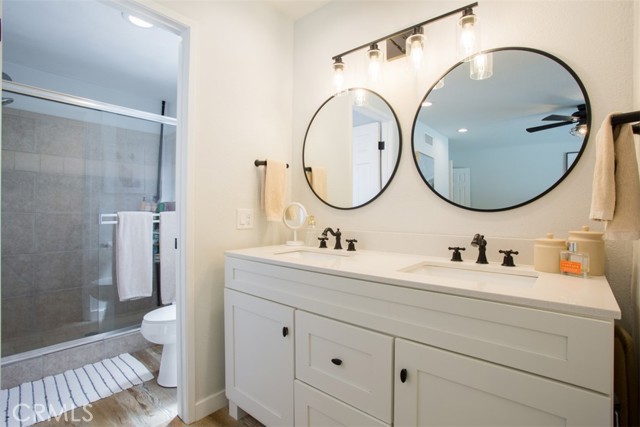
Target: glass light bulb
x: 481, y: 66
x: 375, y: 63
x: 467, y: 35
x: 467, y: 41
x: 338, y: 75
x: 359, y: 97
x: 415, y: 47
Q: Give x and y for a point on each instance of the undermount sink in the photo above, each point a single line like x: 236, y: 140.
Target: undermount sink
x: 316, y: 255
x: 477, y: 275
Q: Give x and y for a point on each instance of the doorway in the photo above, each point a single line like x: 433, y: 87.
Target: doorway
x: 86, y: 76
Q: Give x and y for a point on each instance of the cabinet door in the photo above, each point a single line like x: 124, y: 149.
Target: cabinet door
x: 259, y: 357
x: 441, y: 388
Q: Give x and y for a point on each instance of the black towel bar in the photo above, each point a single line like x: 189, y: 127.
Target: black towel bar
x: 263, y: 163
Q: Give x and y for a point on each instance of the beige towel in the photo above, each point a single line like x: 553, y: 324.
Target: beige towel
x: 274, y: 189
x: 616, y: 184
x: 319, y: 181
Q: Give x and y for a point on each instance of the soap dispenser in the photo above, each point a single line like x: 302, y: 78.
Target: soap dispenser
x: 311, y: 234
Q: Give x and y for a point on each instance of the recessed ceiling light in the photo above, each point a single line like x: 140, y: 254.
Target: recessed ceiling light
x: 138, y: 22
x: 427, y: 104
x: 463, y: 130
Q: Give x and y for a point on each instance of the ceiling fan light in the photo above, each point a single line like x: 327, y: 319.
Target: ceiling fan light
x: 579, y: 131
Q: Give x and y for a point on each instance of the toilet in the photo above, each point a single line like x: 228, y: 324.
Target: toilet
x: 159, y: 327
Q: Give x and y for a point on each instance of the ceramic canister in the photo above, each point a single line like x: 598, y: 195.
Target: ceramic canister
x: 546, y: 254
x: 592, y: 244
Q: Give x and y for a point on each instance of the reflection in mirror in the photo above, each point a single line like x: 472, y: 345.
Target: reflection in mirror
x: 351, y: 149
x: 294, y: 217
x: 499, y: 143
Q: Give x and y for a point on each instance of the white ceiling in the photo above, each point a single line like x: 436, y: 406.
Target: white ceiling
x: 89, y: 41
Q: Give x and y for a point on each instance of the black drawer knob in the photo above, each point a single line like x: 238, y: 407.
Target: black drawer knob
x: 403, y: 375
x: 336, y: 361
x: 285, y: 331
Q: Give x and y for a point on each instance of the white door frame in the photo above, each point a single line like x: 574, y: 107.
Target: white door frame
x: 171, y: 21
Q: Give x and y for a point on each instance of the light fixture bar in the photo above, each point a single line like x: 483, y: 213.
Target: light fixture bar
x: 410, y: 28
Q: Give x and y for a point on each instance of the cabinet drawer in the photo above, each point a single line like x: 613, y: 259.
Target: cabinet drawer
x: 315, y: 409
x: 353, y: 364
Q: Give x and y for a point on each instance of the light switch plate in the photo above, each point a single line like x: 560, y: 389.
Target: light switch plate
x: 244, y: 219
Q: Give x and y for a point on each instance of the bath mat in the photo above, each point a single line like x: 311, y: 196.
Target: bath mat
x: 72, y: 391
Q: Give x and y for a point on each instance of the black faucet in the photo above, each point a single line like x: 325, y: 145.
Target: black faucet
x: 508, y: 257
x: 337, y: 235
x: 479, y: 242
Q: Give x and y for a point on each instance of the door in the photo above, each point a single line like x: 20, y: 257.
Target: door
x: 434, y: 387
x: 259, y: 357
x: 366, y: 162
x: 461, y: 186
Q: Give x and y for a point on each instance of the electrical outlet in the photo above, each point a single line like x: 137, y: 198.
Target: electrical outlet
x: 244, y: 219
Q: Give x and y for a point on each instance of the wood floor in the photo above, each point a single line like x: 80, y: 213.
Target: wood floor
x: 144, y: 405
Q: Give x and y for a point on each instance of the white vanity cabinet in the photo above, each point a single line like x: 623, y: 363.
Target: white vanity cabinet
x: 368, y: 349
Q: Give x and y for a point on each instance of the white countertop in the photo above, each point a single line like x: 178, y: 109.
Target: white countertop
x: 586, y: 297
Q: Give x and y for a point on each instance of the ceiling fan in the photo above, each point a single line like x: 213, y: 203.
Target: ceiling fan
x: 579, y: 118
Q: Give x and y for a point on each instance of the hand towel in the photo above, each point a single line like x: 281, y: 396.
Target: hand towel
x: 134, y: 255
x: 274, y: 189
x: 319, y: 181
x: 168, y: 256
x: 616, y: 183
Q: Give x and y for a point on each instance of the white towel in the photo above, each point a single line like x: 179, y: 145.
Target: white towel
x: 616, y: 184
x: 134, y: 255
x: 319, y: 181
x: 168, y: 256
x: 274, y: 188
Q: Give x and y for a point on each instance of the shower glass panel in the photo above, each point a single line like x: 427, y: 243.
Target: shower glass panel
x: 63, y: 166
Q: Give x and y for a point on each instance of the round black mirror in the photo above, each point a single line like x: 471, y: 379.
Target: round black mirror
x: 504, y: 141
x: 351, y: 149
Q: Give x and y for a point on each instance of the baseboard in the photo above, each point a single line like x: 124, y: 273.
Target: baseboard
x: 210, y: 404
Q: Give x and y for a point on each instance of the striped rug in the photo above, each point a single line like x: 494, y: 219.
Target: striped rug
x: 67, y: 396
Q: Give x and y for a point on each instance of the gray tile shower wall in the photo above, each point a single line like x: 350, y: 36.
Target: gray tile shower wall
x: 58, y: 175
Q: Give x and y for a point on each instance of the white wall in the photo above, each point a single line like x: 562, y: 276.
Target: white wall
x: 595, y: 39
x: 240, y: 110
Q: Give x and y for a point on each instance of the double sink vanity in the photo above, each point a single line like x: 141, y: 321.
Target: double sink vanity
x: 317, y: 337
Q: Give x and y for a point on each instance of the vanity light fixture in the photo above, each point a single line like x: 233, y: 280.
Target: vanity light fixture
x: 338, y: 74
x: 467, y: 35
x: 375, y: 58
x: 414, y: 46
x: 481, y: 66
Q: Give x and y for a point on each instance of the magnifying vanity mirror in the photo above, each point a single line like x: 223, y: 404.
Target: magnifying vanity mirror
x: 294, y: 217
x: 351, y: 149
x: 502, y: 142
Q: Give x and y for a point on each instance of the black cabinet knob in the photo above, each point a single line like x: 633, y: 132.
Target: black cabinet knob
x: 403, y: 375
x: 336, y: 361
x: 285, y: 331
